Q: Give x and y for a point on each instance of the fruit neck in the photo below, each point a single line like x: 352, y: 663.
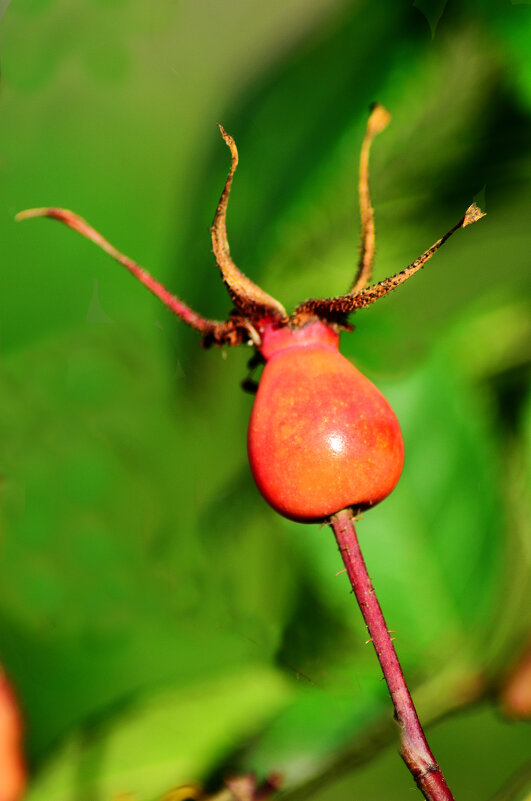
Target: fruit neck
x: 276, y: 339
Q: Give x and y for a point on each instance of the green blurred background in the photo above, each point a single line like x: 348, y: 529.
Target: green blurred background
x: 160, y: 623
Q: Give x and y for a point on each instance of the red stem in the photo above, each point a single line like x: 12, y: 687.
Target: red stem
x: 414, y: 748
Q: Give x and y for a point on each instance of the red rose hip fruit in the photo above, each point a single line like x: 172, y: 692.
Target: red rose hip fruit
x: 321, y: 436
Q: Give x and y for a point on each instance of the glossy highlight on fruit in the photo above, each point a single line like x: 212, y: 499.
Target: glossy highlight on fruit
x: 321, y: 436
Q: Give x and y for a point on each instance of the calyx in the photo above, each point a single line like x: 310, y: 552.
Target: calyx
x: 253, y: 309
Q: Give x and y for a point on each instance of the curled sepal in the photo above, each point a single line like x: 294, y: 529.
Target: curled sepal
x: 233, y: 332
x: 248, y: 298
x: 336, y: 309
x: 379, y: 119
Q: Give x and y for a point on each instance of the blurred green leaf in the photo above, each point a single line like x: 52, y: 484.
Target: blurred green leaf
x: 514, y: 30
x: 163, y: 742
x: 104, y: 582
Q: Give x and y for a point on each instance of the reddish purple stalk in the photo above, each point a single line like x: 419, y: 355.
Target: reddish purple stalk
x: 414, y: 748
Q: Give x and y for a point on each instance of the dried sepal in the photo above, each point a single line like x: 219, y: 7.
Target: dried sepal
x: 232, y: 332
x: 82, y: 226
x: 252, y: 306
x: 336, y: 309
x: 378, y: 120
x: 248, y: 298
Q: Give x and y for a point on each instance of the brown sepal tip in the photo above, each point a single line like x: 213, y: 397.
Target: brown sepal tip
x: 379, y: 119
x: 473, y: 214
